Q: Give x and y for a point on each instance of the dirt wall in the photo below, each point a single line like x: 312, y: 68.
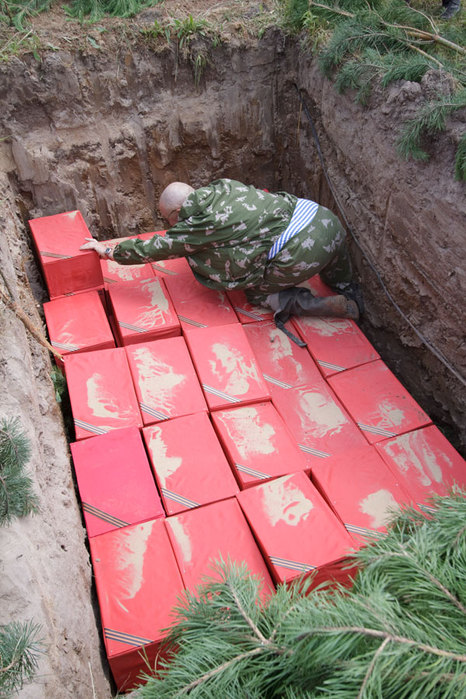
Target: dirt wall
x: 104, y: 132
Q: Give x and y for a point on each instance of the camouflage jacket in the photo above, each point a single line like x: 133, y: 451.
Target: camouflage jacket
x: 225, y: 231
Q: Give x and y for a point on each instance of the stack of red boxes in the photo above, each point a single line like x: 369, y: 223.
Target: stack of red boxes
x: 113, y: 273
x: 143, y: 310
x: 78, y: 323
x: 188, y: 463
x: 165, y: 381
x: 65, y: 267
x: 261, y: 452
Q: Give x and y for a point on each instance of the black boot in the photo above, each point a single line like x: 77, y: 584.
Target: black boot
x: 352, y: 291
x: 452, y: 7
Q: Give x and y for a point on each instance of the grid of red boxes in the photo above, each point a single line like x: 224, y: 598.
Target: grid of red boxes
x: 202, y: 432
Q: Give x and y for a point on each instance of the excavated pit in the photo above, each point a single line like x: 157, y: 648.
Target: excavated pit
x: 104, y: 131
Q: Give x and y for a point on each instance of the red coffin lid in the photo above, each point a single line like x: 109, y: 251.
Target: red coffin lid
x: 60, y: 236
x: 101, y: 392
x: 377, y: 401
x: 425, y: 462
x: 317, y: 420
x: 219, y: 531
x: 226, y: 366
x: 115, y: 481
x: 296, y: 529
x: 114, y: 272
x: 196, y: 305
x: 188, y: 462
x: 283, y: 363
x: 257, y: 443
x: 78, y: 322
x: 167, y: 268
x: 165, y: 380
x: 335, y: 343
x: 138, y: 581
x: 143, y: 311
x: 361, y: 489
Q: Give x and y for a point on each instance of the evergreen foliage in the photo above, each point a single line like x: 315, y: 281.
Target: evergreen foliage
x: 93, y: 10
x: 19, y: 648
x: 17, y: 498
x: 399, y: 632
x: 16, y: 12
x: 380, y: 41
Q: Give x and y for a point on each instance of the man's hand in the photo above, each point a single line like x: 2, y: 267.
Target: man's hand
x: 92, y: 244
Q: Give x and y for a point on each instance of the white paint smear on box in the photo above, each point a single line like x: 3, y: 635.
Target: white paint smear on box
x: 182, y: 539
x: 129, y: 559
x: 387, y: 415
x: 231, y: 369
x: 156, y: 379
x: 157, y: 307
x: 101, y: 402
x: 248, y: 433
x: 284, y: 503
x: 418, y: 454
x: 320, y: 414
x: 326, y: 328
x: 380, y: 506
x: 165, y: 465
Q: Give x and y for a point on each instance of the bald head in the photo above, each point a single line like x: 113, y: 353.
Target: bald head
x: 172, y: 199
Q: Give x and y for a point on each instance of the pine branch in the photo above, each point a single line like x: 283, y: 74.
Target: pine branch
x: 17, y: 497
x: 19, y: 650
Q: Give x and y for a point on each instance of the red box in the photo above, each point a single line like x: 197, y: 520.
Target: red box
x: 65, y: 267
x: 248, y: 312
x: 283, y: 363
x: 198, y: 306
x: 165, y: 380
x: 202, y: 537
x: 362, y: 491
x: 425, y: 462
x: 377, y: 401
x: 143, y: 311
x: 226, y: 365
x: 257, y: 443
x: 114, y: 273
x: 188, y: 462
x: 101, y: 392
x: 138, y: 582
x: 317, y: 421
x: 296, y: 530
x: 115, y: 481
x: 78, y: 322
x: 335, y: 343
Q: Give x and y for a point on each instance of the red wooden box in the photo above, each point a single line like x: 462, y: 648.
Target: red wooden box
x: 317, y: 420
x: 165, y: 381
x: 188, y: 462
x: 283, y: 363
x: 78, y: 322
x: 115, y: 481
x: 211, y: 533
x: 198, y: 306
x: 425, y: 462
x: 335, y: 343
x: 362, y: 490
x: 257, y: 443
x: 248, y: 312
x: 143, y: 311
x: 297, y: 531
x: 65, y: 267
x: 226, y: 365
x: 114, y: 273
x: 101, y: 392
x: 138, y: 582
x: 377, y: 401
